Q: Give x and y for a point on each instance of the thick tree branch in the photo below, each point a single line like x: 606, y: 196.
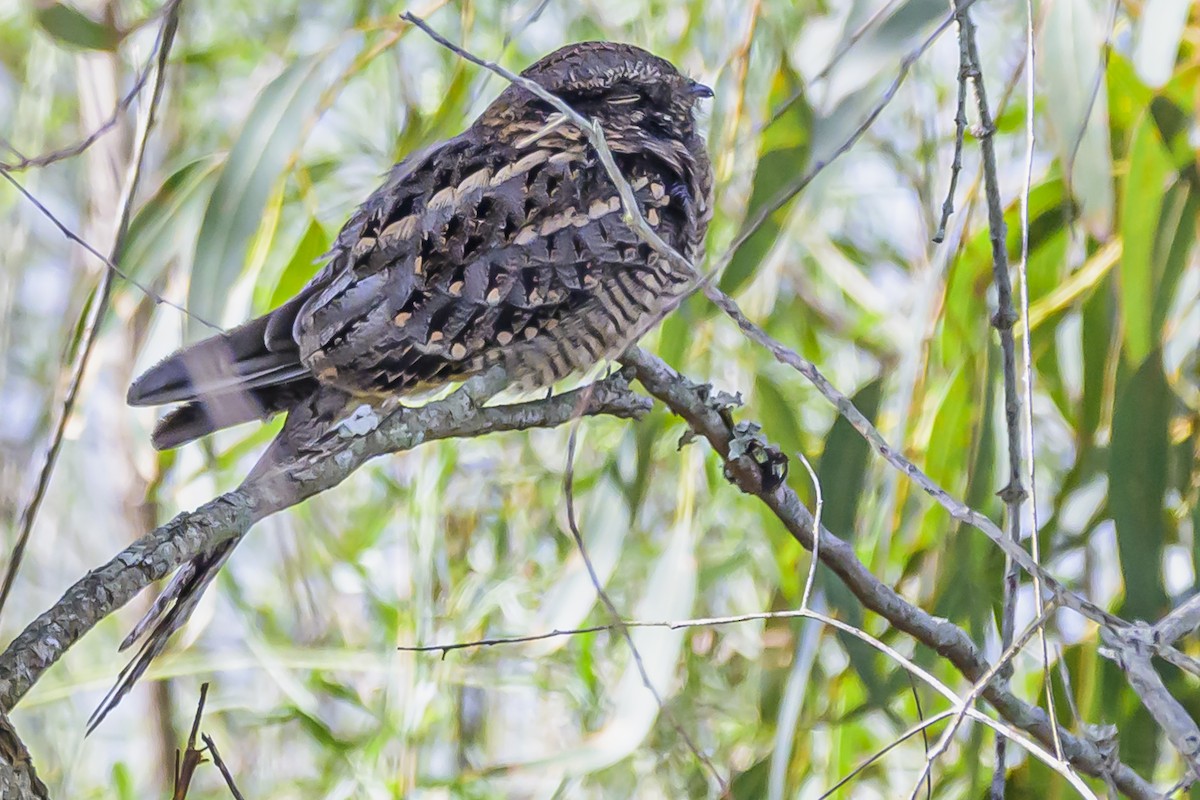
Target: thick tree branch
x: 161, y: 551
x: 692, y: 403
x: 18, y: 778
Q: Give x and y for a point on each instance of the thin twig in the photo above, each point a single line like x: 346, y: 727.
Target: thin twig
x: 1013, y: 493
x: 675, y: 624
x: 921, y: 727
x: 108, y: 262
x: 1097, y: 84
x: 977, y: 688
x: 98, y: 306
x: 960, y: 128
x: 192, y: 757
x: 1027, y: 354
x: 573, y: 523
x: 220, y: 764
x: 818, y: 507
x: 83, y: 144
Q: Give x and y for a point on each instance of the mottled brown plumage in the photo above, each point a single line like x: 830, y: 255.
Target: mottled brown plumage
x: 504, y: 245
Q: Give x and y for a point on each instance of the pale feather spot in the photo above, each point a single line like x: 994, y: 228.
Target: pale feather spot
x: 534, y: 296
x: 652, y: 216
x: 530, y: 332
x: 639, y: 183
x: 456, y: 288
x: 402, y: 318
x: 557, y: 222
x: 443, y: 198
x: 566, y: 157
x: 657, y: 190
x: 552, y: 123
x: 504, y: 337
x: 493, y: 296
x: 551, y: 324
x: 599, y: 208
x: 363, y: 245
x: 436, y: 336
x: 418, y: 266
x: 476, y: 180
x: 520, y: 167
x: 525, y: 235
x: 400, y: 230
x: 458, y: 350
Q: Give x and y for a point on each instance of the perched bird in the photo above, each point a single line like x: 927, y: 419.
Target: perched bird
x: 504, y: 245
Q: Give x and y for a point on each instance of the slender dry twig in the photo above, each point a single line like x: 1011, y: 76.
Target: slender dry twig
x: 70, y: 151
x: 1027, y: 353
x: 968, y: 700
x: 97, y: 308
x: 921, y: 727
x: 672, y: 624
x: 1013, y: 493
x: 192, y: 756
x: 1097, y: 83
x: 818, y: 507
x: 220, y: 764
x: 618, y: 624
x: 960, y: 128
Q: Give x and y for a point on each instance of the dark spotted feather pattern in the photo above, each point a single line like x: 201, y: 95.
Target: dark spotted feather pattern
x: 504, y: 245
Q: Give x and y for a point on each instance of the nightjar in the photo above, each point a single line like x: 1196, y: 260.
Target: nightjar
x: 505, y: 244
x: 502, y: 246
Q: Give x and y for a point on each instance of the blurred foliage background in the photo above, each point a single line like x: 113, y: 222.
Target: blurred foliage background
x: 279, y: 117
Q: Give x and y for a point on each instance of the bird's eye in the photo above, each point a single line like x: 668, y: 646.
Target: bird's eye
x: 623, y: 99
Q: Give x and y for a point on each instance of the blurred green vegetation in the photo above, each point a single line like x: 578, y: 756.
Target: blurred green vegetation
x: 280, y: 117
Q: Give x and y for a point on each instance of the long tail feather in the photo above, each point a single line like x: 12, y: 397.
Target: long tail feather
x: 167, y: 615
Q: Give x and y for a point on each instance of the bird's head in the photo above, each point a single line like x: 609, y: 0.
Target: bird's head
x: 625, y: 87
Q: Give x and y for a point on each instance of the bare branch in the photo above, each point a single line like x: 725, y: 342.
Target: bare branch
x: 618, y: 623
x: 161, y: 551
x: 220, y: 763
x: 18, y: 778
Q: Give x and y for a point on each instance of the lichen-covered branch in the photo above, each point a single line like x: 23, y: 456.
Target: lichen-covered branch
x: 161, y: 551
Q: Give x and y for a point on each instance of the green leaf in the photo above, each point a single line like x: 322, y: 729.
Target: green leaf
x: 843, y: 467
x: 1137, y: 486
x: 271, y: 134
x: 75, y: 29
x: 301, y: 266
x: 1141, y: 208
x: 842, y: 473
x: 155, y: 231
x: 752, y: 784
x: 1173, y: 245
x: 1099, y: 320
x: 783, y: 157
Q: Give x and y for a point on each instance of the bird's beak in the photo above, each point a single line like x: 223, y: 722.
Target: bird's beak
x: 700, y: 90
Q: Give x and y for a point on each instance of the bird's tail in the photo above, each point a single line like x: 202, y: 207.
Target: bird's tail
x: 310, y: 424
x: 170, y: 611
x: 248, y: 373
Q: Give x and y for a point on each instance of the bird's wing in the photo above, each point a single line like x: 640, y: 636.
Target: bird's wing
x: 483, y: 247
